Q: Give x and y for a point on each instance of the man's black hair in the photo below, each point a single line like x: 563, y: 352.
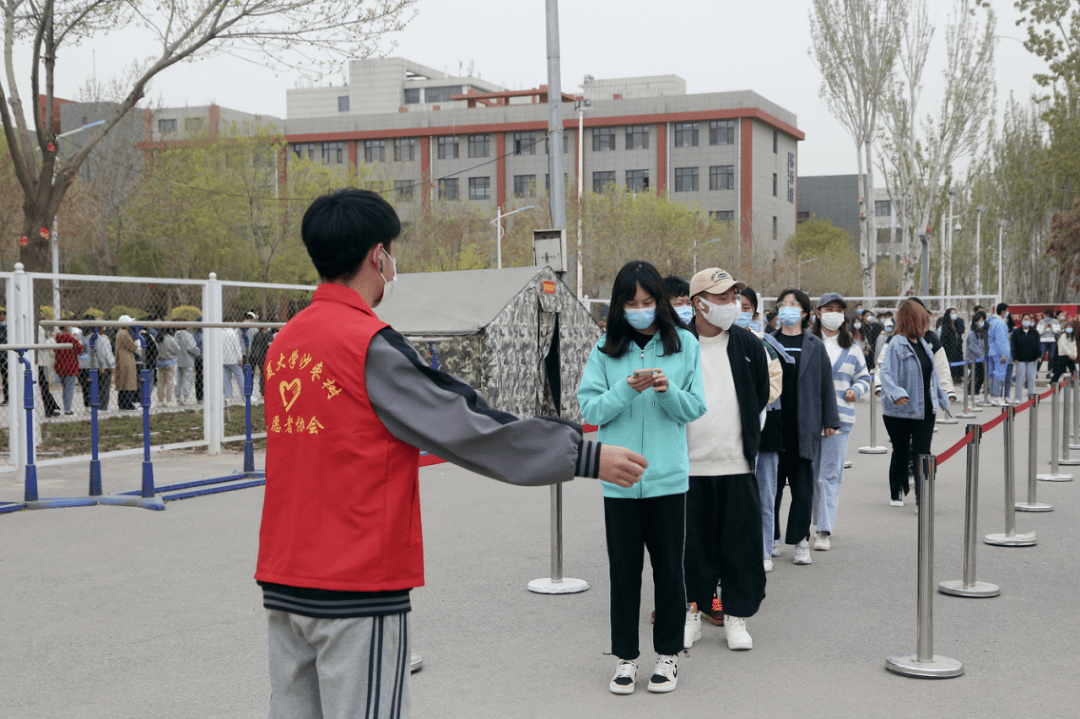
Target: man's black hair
x: 676, y: 286
x: 339, y: 229
x: 1001, y: 307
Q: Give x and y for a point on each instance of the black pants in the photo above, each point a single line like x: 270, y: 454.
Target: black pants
x: 980, y: 376
x: 84, y: 385
x: 910, y: 438
x: 48, y: 402
x: 198, y: 378
x: 1062, y: 365
x: 632, y: 525
x: 723, y: 543
x: 798, y: 473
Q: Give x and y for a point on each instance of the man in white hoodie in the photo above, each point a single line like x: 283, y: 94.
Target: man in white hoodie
x: 723, y: 506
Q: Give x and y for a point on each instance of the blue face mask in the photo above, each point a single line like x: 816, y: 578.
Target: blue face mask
x: 789, y: 316
x: 685, y: 313
x: 640, y: 319
x: 744, y: 319
x: 1027, y: 323
x: 754, y: 327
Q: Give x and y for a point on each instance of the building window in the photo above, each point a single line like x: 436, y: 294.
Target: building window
x: 343, y: 103
x: 723, y: 215
x: 601, y: 180
x: 775, y: 231
x: 479, y: 188
x: 478, y: 145
x: 686, y: 179
x: 524, y: 143
x: 637, y: 137
x: 722, y: 177
x: 374, y: 150
x: 686, y: 134
x: 448, y: 148
x: 304, y: 150
x: 721, y: 132
x: 448, y: 189
x: 882, y: 208
x: 802, y: 216
x: 603, y: 139
x: 405, y: 149
x: 404, y: 190
x: 524, y: 185
x: 412, y: 96
x: 333, y: 153
x: 775, y: 142
x: 192, y: 124
x: 774, y: 184
x: 164, y: 126
x: 441, y: 94
x: 637, y: 180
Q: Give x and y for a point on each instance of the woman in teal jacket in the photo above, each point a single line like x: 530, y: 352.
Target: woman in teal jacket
x: 641, y: 385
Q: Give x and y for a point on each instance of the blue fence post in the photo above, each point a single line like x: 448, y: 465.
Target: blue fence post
x: 148, y: 466
x: 31, y: 490
x: 249, y: 447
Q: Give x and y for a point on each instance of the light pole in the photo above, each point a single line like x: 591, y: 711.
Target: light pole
x: 499, y: 231
x: 581, y: 106
x: 979, y: 212
x: 1002, y: 224
x: 798, y: 270
x: 695, y: 250
x: 946, y: 259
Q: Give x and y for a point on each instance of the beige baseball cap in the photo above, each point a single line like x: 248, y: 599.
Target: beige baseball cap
x: 714, y: 281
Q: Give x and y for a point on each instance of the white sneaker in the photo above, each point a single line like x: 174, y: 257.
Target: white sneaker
x: 802, y: 553
x: 822, y: 544
x: 625, y: 676
x: 896, y: 502
x: 768, y: 566
x: 692, y: 629
x: 737, y: 636
x: 997, y: 401
x: 776, y: 548
x: 666, y: 674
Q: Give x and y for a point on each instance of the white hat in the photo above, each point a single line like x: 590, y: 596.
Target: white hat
x: 125, y: 318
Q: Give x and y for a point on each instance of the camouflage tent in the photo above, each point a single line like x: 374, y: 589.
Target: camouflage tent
x: 518, y: 335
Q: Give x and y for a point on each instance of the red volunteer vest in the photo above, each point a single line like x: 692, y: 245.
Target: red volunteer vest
x: 342, y: 504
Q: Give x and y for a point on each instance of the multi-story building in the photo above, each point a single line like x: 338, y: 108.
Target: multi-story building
x: 838, y: 198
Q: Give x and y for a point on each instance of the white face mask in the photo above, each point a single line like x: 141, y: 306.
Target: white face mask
x: 388, y: 285
x: 722, y: 316
x: 832, y: 320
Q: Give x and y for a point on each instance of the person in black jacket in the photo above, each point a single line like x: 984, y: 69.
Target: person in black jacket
x: 1026, y: 351
x: 952, y: 339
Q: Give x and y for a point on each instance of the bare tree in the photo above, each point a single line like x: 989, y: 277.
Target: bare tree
x: 855, y: 44
x: 317, y: 31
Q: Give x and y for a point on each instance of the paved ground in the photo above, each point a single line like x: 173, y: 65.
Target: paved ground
x: 111, y: 612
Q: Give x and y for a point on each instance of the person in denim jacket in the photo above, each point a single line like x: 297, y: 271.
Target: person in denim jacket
x: 911, y: 395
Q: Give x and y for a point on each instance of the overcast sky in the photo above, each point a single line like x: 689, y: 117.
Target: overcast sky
x: 715, y: 46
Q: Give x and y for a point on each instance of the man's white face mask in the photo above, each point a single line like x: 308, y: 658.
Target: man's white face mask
x: 722, y: 316
x: 388, y: 285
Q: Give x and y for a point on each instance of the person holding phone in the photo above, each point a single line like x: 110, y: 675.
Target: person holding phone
x: 641, y: 385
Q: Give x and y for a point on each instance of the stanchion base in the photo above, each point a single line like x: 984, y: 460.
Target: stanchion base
x: 948, y: 421
x: 1036, y: 507
x: 873, y: 450
x: 566, y: 586
x: 847, y: 465
x: 964, y: 415
x: 1054, y: 477
x: 59, y: 502
x: 957, y: 588
x: 1069, y: 462
x: 979, y: 408
x: 119, y: 500
x: 416, y: 663
x: 1017, y: 540
x: 939, y: 667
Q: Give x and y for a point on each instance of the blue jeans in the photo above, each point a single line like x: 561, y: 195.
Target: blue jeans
x: 68, y: 384
x: 234, y: 371
x: 1025, y: 380
x: 827, y: 482
x: 767, y: 465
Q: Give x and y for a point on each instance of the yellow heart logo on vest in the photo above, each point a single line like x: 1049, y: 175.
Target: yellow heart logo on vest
x: 294, y: 388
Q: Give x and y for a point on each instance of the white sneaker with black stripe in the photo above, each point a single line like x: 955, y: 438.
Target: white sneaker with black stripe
x: 666, y: 674
x: 625, y: 676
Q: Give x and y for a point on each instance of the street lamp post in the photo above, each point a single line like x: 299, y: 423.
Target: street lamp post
x: 798, y: 270
x: 695, y: 250
x: 1001, y: 259
x: 979, y: 212
x: 499, y: 231
x: 581, y: 106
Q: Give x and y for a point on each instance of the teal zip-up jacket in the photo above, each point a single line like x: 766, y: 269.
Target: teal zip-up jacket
x: 651, y: 423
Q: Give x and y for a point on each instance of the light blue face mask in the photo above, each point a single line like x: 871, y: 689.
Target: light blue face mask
x: 685, y: 313
x: 1027, y: 323
x: 754, y: 327
x: 744, y: 319
x: 640, y: 319
x: 789, y: 316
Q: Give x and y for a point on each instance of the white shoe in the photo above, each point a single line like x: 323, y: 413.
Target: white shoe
x: 822, y: 544
x: 896, y: 502
x: 666, y: 675
x: 692, y: 629
x: 737, y: 636
x: 802, y: 553
x: 625, y: 676
x: 776, y: 548
x: 768, y: 566
x: 997, y: 401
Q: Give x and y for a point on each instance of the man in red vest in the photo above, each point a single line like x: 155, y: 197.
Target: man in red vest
x: 349, y: 405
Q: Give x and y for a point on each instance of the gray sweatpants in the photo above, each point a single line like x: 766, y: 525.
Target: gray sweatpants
x: 338, y: 668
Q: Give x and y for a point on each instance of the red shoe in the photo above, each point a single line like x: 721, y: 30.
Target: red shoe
x: 717, y: 616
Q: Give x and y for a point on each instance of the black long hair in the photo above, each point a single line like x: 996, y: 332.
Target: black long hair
x: 800, y: 297
x: 631, y: 275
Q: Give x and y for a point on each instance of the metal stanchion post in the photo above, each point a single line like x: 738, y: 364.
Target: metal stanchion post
x: 1066, y: 444
x: 557, y: 583
x: 1055, y: 475
x: 986, y: 380
x: 30, y: 486
x: 1075, y: 384
x: 969, y: 374
x: 873, y: 448
x: 1031, y: 505
x: 968, y: 587
x: 95, y: 463
x: 924, y: 663
x: 1010, y: 538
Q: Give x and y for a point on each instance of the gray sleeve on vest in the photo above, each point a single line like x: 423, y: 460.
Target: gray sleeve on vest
x: 438, y: 413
